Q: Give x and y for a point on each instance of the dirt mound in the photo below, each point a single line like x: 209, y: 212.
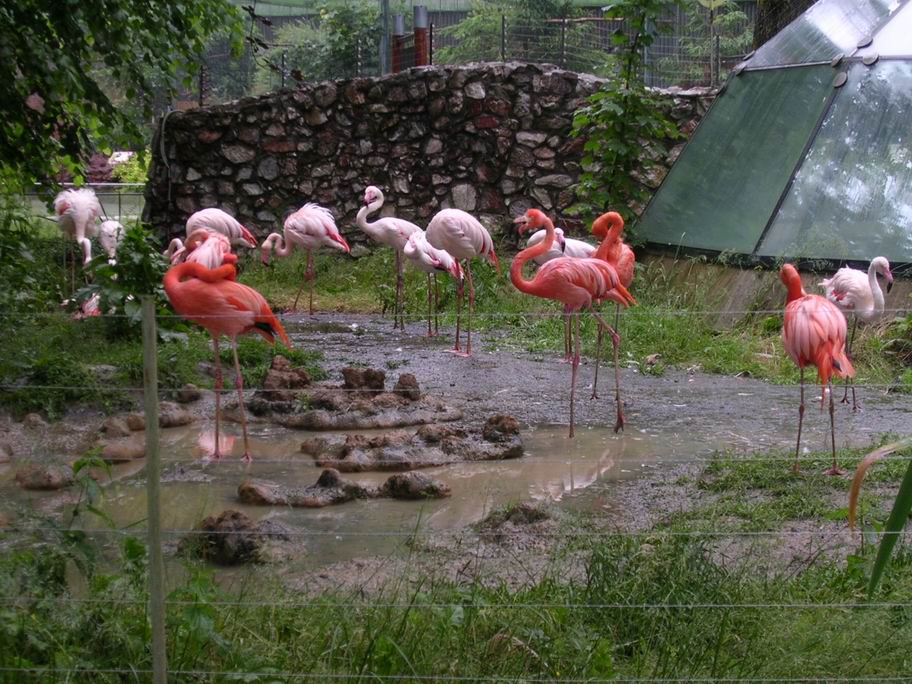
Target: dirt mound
x: 231, y: 538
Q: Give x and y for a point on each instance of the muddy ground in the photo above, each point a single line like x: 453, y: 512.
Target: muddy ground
x: 748, y: 415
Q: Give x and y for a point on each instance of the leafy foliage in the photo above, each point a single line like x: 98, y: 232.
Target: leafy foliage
x: 134, y: 170
x: 137, y: 270
x: 53, y: 106
x: 623, y: 123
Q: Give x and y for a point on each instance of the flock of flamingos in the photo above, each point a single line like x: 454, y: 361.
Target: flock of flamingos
x: 202, y: 287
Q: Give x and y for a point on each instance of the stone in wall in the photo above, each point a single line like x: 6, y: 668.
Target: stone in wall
x: 491, y: 138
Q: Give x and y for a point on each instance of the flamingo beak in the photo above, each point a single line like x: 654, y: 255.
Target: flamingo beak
x: 522, y: 221
x: 341, y: 241
x: 455, y: 270
x: 889, y: 281
x: 562, y: 242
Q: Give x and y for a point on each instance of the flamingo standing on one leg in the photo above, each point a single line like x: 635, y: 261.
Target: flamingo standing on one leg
x: 858, y: 292
x: 77, y: 211
x: 615, y: 251
x: 429, y: 259
x: 577, y: 283
x: 460, y: 234
x: 309, y: 228
x: 814, y: 333
x: 562, y: 247
x: 212, y: 299
x: 390, y: 231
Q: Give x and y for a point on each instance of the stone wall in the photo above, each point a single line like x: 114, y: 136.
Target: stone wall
x: 492, y: 139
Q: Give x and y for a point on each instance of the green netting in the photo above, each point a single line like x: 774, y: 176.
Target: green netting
x: 722, y: 190
x: 828, y: 28
x: 852, y: 198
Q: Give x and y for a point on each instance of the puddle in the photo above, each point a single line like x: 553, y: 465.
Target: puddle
x: 554, y: 469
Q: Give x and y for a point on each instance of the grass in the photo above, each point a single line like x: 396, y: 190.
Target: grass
x: 667, y: 320
x: 648, y: 605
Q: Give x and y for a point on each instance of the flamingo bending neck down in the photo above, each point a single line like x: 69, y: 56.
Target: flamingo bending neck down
x: 218, y: 221
x: 858, y: 292
x: 77, y: 211
x: 211, y: 298
x: 309, y: 228
x: 393, y: 232
x: 608, y: 228
x: 576, y: 283
x: 429, y: 259
x: 814, y: 333
x: 461, y: 235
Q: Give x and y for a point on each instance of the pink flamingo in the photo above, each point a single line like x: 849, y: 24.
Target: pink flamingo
x: 562, y: 247
x: 208, y: 249
x: 814, y: 333
x: 858, y: 292
x: 77, y: 211
x: 393, y: 232
x: 215, y: 221
x: 576, y: 283
x: 212, y: 299
x: 309, y: 228
x: 429, y: 259
x: 460, y: 234
x: 608, y: 228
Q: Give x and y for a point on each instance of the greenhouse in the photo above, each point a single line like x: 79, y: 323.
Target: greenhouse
x: 805, y: 152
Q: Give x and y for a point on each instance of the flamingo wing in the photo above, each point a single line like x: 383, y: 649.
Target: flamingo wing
x: 814, y: 332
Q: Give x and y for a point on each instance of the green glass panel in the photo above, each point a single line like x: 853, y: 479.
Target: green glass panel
x: 722, y: 190
x: 852, y: 197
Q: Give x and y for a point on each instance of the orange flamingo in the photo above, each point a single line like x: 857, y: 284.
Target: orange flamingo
x: 212, y: 299
x: 608, y: 228
x: 814, y: 333
x: 576, y: 283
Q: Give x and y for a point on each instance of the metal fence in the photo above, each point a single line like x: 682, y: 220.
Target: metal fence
x: 692, y: 47
x: 119, y: 201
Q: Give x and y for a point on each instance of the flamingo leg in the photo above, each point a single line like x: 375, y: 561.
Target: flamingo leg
x: 574, y: 364
x: 430, y: 332
x: 616, y: 344
x: 239, y: 383
x: 598, y: 354
x: 436, y: 306
x: 400, y: 288
x: 218, y: 395
x: 800, y: 421
x: 834, y: 469
x: 848, y: 380
x: 568, y: 338
x: 311, y: 276
x: 303, y: 283
x: 468, y: 350
x: 460, y: 295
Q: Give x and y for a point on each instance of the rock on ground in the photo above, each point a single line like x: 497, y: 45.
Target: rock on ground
x: 44, y: 477
x: 231, y: 538
x: 330, y: 489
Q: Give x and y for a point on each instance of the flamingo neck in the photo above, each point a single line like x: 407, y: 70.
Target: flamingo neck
x: 364, y: 212
x: 282, y: 246
x: 795, y: 289
x: 532, y: 252
x: 875, y: 288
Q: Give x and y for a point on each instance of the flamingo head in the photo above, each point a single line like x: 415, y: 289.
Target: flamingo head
x: 531, y: 220
x: 882, y: 266
x: 248, y: 237
x: 338, y: 242
x: 560, y: 239
x: 455, y: 270
x: 604, y: 223
x: 372, y: 194
x: 792, y: 281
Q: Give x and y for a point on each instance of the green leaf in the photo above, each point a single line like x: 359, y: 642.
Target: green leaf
x: 902, y: 507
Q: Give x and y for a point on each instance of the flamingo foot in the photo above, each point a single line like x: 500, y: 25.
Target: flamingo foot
x: 458, y: 352
x: 620, y: 422
x: 835, y: 471
x: 247, y: 457
x: 856, y: 407
x: 430, y: 335
x: 595, y: 396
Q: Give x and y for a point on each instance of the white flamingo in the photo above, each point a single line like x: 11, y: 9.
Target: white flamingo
x: 429, y: 259
x: 392, y: 232
x: 309, y: 228
x: 111, y: 234
x: 216, y: 221
x: 460, y: 234
x: 562, y: 247
x: 859, y: 293
x: 77, y: 211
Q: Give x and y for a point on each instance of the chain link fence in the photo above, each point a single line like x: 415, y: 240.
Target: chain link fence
x: 693, y: 46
